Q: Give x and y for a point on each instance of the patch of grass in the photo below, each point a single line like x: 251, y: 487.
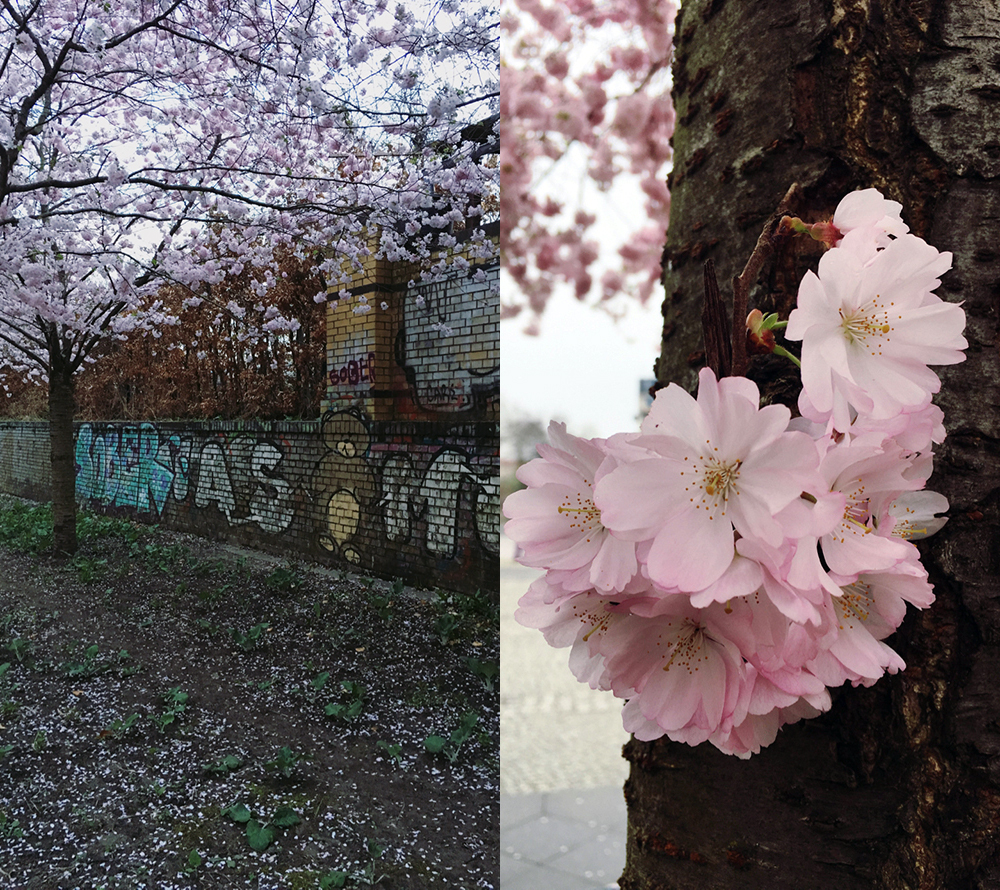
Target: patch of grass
x: 464, y: 615
x: 88, y: 568
x: 91, y: 526
x: 27, y: 528
x: 208, y: 567
x: 159, y: 557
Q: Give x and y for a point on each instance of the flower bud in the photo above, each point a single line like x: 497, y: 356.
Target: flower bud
x: 760, y: 336
x: 824, y: 231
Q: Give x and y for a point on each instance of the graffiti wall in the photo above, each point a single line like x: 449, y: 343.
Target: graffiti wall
x: 411, y: 500
x: 398, y: 479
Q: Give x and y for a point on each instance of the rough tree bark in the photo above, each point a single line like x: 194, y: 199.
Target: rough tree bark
x: 62, y: 405
x: 899, y: 785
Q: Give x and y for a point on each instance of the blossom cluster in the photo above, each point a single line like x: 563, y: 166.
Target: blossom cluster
x: 728, y: 564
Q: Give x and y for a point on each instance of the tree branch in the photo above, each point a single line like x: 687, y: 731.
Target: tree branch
x: 766, y: 243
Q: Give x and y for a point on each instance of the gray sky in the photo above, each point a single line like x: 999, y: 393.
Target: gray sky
x: 583, y: 368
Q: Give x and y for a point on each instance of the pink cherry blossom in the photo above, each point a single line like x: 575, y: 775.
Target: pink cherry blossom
x: 577, y: 620
x: 725, y: 567
x: 913, y: 515
x: 867, y: 611
x: 758, y: 730
x: 870, y: 328
x: 864, y: 472
x: 556, y: 522
x: 683, y: 673
x: 869, y: 219
x: 713, y: 466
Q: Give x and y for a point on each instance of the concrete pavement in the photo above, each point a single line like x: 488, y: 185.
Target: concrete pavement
x: 562, y: 814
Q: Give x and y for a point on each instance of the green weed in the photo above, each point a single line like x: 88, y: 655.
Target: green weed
x: 382, y: 604
x: 487, y: 671
x: 284, y: 579
x: 221, y: 767
x: 27, y: 528
x: 8, y: 706
x: 159, y: 557
x: 88, y: 569
x: 446, y: 626
x: 92, y: 525
x: 176, y: 705
x: 9, y: 828
x: 260, y: 835
x: 449, y: 747
x: 394, y: 752
x: 119, y: 728
x: 284, y: 762
x: 249, y: 640
x: 20, y: 648
x: 316, y: 684
x: 353, y: 708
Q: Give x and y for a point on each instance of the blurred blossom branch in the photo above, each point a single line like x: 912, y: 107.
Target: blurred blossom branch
x: 593, y: 77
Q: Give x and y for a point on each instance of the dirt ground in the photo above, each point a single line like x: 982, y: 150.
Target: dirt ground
x: 174, y: 714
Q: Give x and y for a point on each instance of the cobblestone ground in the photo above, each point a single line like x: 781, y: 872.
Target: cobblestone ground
x: 555, y: 733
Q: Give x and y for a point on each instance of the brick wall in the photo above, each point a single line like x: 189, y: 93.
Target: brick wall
x: 398, y: 348
x: 400, y: 477
x: 397, y: 499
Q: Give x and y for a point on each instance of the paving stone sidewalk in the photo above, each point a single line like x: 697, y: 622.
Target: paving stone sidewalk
x: 562, y: 814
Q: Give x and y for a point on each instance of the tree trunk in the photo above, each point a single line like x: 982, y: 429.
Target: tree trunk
x: 61, y: 409
x: 898, y: 786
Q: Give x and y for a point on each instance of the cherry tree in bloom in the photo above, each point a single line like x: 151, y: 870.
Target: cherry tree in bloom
x: 734, y: 564
x: 590, y: 77
x: 143, y: 142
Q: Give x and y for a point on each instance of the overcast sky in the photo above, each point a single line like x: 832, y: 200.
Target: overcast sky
x: 584, y: 367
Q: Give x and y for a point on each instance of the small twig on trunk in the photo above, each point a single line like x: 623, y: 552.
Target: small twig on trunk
x: 769, y: 236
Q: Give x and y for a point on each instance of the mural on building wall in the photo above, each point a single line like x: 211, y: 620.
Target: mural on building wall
x: 438, y: 499
x: 131, y: 466
x: 350, y: 497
